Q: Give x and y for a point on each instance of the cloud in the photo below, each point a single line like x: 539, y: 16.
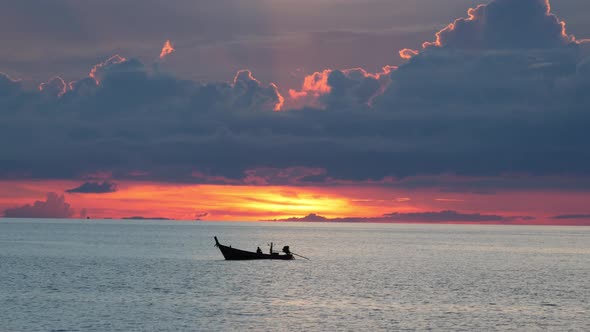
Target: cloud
x: 248, y: 93
x: 55, y: 87
x: 513, y: 54
x: 338, y: 89
x: 478, y: 106
x: 167, y: 49
x: 408, y: 53
x: 12, y: 93
x: 126, y: 85
x: 54, y: 206
x: 200, y: 215
x: 95, y: 188
x: 423, y: 217
x: 505, y: 24
x: 453, y: 216
x: 275, y: 176
x: 7, y: 83
x: 572, y: 216
x: 313, y: 87
x: 263, y: 176
x: 99, y: 69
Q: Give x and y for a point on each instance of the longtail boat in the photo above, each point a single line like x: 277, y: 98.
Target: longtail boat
x: 232, y: 254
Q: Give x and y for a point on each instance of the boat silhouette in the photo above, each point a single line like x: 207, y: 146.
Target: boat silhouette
x: 232, y: 254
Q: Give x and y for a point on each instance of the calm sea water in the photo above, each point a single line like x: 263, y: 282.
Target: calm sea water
x: 167, y: 276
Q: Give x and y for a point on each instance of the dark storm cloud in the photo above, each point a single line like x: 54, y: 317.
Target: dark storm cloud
x: 95, y: 188
x: 428, y: 217
x: 506, y: 24
x: 351, y: 88
x: 126, y: 86
x: 508, y: 52
x: 54, y: 206
x: 216, y: 38
x: 452, y: 109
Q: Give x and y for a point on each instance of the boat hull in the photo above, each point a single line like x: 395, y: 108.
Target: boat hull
x: 232, y: 254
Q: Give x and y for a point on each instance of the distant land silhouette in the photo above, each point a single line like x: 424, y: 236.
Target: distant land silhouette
x: 145, y: 218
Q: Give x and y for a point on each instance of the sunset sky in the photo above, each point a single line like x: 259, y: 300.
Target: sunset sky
x: 311, y: 110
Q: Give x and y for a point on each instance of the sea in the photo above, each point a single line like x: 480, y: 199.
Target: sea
x: 111, y: 275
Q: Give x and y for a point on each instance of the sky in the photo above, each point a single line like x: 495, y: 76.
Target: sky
x: 324, y: 110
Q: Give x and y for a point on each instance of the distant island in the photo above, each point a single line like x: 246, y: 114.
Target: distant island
x: 448, y: 217
x: 145, y: 218
x: 424, y: 217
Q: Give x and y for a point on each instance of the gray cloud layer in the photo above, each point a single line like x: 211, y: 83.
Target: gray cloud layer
x: 506, y: 24
x: 94, y: 188
x: 54, y: 206
x: 486, y: 101
x: 572, y: 216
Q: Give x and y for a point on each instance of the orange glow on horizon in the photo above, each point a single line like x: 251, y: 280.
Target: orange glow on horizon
x: 258, y: 202
x: 217, y: 202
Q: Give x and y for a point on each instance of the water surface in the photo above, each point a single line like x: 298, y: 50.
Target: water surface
x: 58, y: 275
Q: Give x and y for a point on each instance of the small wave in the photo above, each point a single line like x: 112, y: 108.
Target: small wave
x: 549, y: 305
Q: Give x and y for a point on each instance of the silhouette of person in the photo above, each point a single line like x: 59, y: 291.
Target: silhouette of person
x: 259, y: 251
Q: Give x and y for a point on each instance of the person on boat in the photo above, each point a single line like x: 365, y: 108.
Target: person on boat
x: 286, y: 250
x: 259, y: 251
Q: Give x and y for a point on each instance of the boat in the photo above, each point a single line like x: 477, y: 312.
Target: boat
x: 232, y: 254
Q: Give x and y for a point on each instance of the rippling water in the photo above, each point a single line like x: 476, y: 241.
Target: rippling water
x: 167, y: 276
